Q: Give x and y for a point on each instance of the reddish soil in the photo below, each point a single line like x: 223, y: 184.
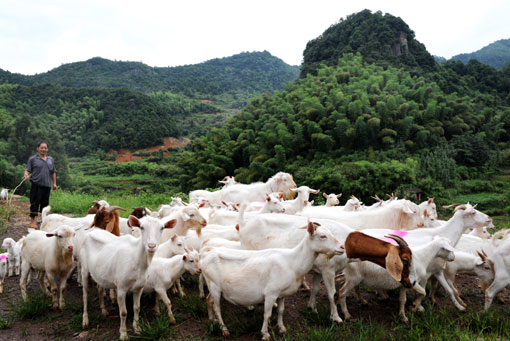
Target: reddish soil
x: 66, y: 325
x: 124, y: 155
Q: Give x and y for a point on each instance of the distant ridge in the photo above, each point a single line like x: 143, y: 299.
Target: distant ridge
x: 247, y: 72
x: 495, y: 54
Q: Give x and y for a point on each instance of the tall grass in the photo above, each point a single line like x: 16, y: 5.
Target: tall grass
x: 79, y: 203
x: 36, y: 306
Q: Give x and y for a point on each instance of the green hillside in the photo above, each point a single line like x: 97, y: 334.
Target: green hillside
x: 404, y: 128
x: 496, y: 54
x: 231, y: 81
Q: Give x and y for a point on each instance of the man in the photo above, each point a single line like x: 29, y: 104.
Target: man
x: 41, y: 170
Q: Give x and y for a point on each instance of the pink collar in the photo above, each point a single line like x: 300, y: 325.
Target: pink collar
x: 399, y: 233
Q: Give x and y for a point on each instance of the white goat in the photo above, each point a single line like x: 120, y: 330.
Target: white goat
x: 301, y: 201
x: 50, y: 222
x: 395, y: 215
x: 186, y: 217
x: 246, y: 277
x: 120, y: 263
x: 50, y: 254
x: 331, y: 199
x: 14, y: 250
x: 280, y: 182
x: 465, y: 262
x: 272, y: 204
x: 162, y: 274
x: 4, y: 194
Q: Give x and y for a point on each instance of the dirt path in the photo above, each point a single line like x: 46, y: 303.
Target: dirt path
x: 66, y: 325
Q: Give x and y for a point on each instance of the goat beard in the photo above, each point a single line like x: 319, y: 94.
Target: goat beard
x: 289, y: 195
x: 68, y: 258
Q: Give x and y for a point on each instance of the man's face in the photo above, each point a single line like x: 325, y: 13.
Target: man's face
x: 43, y: 149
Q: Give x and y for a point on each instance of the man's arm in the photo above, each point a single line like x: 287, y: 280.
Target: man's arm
x: 54, y: 175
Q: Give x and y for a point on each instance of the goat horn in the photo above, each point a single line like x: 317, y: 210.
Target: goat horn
x: 450, y: 206
x: 401, y: 242
x: 113, y: 208
x: 375, y: 197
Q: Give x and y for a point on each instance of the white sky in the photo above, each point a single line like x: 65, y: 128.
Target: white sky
x: 39, y: 35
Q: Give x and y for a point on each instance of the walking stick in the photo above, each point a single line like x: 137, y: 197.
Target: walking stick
x: 14, y: 190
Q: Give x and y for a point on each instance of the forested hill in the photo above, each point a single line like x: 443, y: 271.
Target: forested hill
x: 382, y: 39
x: 495, y: 54
x: 357, y: 128
x: 245, y: 75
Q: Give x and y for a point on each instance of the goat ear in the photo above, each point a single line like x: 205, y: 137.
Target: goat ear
x: 425, y: 213
x: 268, y: 198
x: 237, y: 227
x: 174, y: 237
x: 311, y: 228
x: 170, y: 224
x: 394, y: 264
x: 325, y: 195
x: 183, y: 257
x: 133, y: 221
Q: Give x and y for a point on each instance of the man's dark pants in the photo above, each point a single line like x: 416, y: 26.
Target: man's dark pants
x: 39, y: 198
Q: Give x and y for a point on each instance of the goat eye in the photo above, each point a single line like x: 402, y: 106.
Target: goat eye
x: 191, y: 261
x: 323, y: 237
x: 179, y: 244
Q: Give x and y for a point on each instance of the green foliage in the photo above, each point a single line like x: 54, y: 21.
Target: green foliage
x: 379, y: 38
x: 319, y: 119
x: 233, y: 79
x: 159, y: 329
x: 36, y: 306
x: 6, y: 322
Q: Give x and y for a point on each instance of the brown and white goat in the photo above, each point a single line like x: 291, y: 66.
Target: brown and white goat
x: 107, y: 218
x: 97, y: 205
x: 397, y: 260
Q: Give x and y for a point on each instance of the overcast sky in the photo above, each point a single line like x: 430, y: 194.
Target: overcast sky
x: 39, y: 35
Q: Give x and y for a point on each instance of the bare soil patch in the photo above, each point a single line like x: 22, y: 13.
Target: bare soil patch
x: 66, y: 325
x: 124, y: 154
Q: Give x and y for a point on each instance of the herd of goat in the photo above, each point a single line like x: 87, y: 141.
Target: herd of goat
x: 250, y: 246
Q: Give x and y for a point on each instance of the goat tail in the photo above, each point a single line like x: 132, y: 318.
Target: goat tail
x: 45, y: 213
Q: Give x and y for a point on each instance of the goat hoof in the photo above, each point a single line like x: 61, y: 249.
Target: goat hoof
x: 336, y: 319
x: 173, y: 321
x: 226, y: 333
